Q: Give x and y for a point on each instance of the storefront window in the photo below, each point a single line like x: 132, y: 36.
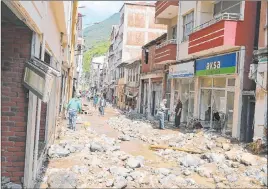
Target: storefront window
x: 219, y: 82
x: 229, y: 111
x: 176, y: 84
x: 206, y: 82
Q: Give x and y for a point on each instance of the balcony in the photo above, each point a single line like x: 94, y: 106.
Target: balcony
x: 166, y: 10
x: 166, y: 52
x: 222, y: 32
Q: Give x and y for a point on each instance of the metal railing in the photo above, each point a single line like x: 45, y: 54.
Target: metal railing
x: 167, y: 42
x: 224, y: 16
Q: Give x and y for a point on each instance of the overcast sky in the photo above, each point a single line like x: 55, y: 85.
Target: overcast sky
x: 97, y: 11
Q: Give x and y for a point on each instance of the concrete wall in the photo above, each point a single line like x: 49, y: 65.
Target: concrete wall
x: 139, y: 28
x: 16, y: 49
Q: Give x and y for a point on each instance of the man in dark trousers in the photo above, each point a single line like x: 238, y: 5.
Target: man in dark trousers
x: 178, y: 113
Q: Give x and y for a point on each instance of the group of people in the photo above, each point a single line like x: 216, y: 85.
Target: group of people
x: 75, y: 106
x: 161, y: 113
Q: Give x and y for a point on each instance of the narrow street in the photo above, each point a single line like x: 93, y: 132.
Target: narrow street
x: 113, y: 151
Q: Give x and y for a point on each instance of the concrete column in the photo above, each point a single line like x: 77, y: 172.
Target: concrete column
x: 139, y: 98
x: 164, y: 84
x: 238, y: 95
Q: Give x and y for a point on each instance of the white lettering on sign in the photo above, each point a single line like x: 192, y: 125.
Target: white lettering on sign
x: 213, y: 65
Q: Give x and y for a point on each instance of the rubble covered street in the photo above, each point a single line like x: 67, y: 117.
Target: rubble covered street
x: 114, y: 151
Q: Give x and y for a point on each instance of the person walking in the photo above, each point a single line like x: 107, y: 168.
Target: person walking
x: 74, y: 107
x: 95, y: 101
x: 102, y: 104
x: 161, y: 113
x: 178, y: 113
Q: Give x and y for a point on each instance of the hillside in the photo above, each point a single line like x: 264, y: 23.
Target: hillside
x: 97, y: 39
x: 100, y: 32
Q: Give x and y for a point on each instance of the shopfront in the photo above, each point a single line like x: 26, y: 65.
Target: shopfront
x: 183, y: 87
x: 217, y: 81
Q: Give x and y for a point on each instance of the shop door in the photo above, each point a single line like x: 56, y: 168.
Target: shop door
x: 205, y: 105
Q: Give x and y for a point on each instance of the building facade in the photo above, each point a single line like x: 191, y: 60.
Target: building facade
x: 35, y: 37
x: 151, y: 79
x: 136, y: 28
x: 211, y: 62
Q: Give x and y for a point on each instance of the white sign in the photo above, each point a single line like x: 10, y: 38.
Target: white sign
x: 181, y: 70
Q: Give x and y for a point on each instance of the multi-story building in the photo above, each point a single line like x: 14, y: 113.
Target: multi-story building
x: 112, y: 59
x: 259, y: 75
x: 96, y: 67
x: 79, y: 53
x: 136, y: 28
x: 35, y: 39
x: 151, y: 79
x: 213, y: 56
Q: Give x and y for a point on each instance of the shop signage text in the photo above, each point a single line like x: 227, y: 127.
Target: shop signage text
x: 223, y: 64
x: 181, y: 70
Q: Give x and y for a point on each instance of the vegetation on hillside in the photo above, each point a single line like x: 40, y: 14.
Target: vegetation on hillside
x: 98, y: 49
x: 97, y: 39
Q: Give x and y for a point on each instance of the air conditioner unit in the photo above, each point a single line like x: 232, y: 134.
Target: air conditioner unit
x: 253, y: 71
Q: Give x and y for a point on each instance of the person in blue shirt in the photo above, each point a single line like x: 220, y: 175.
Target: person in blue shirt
x: 74, y: 107
x: 95, y: 101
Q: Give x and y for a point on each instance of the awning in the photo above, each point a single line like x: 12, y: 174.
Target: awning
x: 39, y: 78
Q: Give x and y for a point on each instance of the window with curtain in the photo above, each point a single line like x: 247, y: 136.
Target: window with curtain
x: 188, y: 24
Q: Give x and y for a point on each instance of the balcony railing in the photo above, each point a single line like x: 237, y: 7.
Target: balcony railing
x: 165, y: 43
x: 224, y: 16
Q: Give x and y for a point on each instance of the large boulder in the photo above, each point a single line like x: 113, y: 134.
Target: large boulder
x: 120, y: 182
x: 248, y: 159
x: 96, y: 147
x: 57, y: 151
x: 133, y: 163
x: 214, y: 157
x: 190, y: 161
x: 62, y: 179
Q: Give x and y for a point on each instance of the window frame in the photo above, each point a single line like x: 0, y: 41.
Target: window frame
x: 185, y: 23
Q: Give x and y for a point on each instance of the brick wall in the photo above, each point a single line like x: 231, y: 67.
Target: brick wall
x: 16, y: 49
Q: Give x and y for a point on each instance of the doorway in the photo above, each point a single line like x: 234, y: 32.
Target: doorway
x: 153, y: 103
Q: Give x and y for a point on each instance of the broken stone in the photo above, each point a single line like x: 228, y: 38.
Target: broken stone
x: 120, y: 182
x: 109, y: 183
x: 124, y: 138
x: 140, y: 159
x: 96, y: 147
x: 62, y: 179
x: 226, y: 146
x: 57, y: 151
x: 5, y: 180
x: 203, y: 172
x: 235, y: 165
x: 190, y: 160
x: 186, y: 172
x: 133, y: 163
x: 248, y: 159
x: 190, y: 181
x: 213, y: 157
x: 232, y: 178
x: 12, y: 185
x: 163, y: 171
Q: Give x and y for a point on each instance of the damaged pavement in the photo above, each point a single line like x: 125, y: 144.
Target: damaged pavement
x: 114, y: 152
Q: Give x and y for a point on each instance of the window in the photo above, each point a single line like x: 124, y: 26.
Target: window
x: 146, y: 56
x: 227, y: 7
x: 188, y: 24
x: 174, y: 32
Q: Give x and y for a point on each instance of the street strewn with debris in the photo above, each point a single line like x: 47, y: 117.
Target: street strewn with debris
x: 114, y: 151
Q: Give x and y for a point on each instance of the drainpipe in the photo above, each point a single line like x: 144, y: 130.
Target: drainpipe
x: 178, y: 31
x: 71, y: 74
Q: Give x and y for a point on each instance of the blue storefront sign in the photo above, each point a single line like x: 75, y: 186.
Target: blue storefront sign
x: 222, y: 64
